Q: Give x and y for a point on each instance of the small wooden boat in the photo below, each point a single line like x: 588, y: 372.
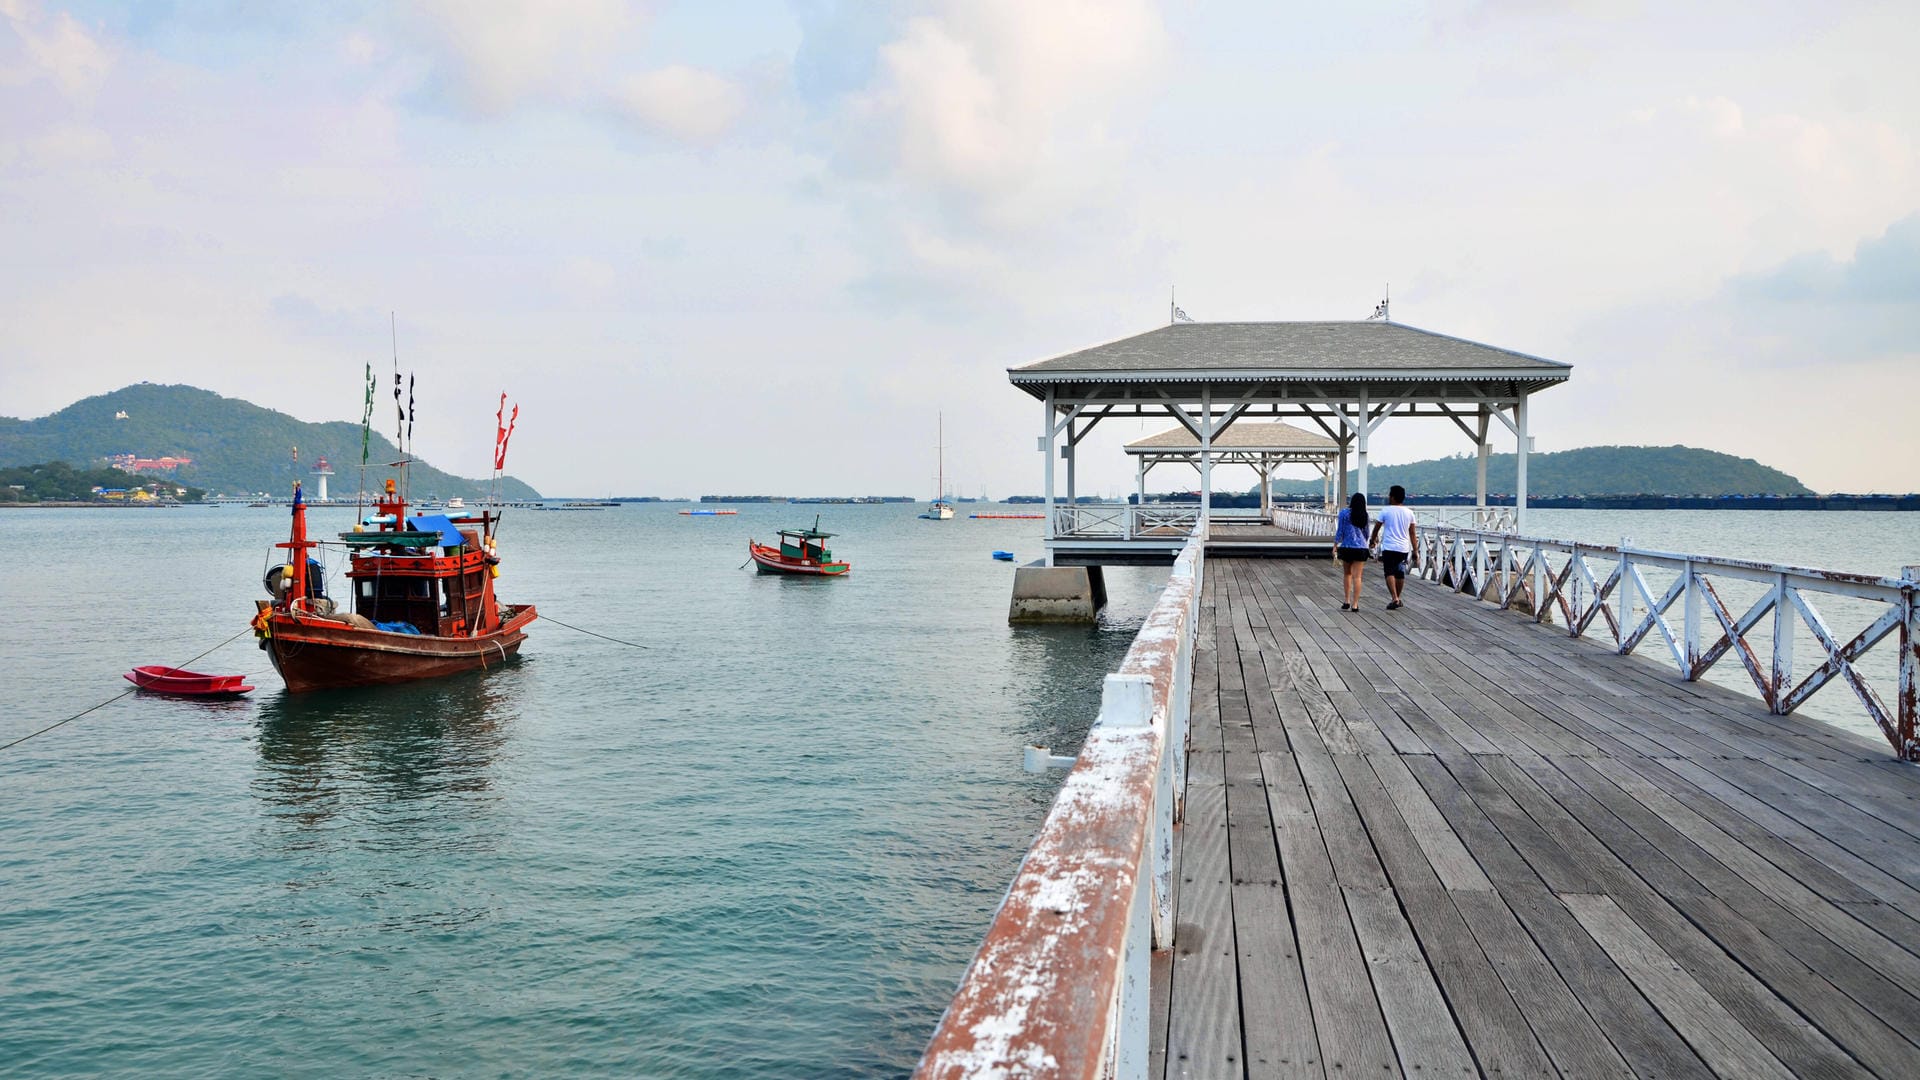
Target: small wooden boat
x: 173, y: 680
x: 801, y: 551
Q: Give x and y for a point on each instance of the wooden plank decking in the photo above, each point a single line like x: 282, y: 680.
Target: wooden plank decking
x: 1445, y: 841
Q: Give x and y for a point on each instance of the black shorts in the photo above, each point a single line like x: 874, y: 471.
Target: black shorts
x: 1394, y: 563
x: 1348, y: 554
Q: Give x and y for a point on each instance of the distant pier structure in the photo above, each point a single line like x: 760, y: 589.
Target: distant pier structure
x: 322, y: 470
x: 1343, y: 379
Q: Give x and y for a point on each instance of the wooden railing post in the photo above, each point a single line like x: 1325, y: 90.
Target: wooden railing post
x: 1909, y: 693
x: 1690, y: 631
x: 1784, y: 619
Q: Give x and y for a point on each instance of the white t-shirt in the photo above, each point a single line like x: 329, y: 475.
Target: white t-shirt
x: 1396, y: 527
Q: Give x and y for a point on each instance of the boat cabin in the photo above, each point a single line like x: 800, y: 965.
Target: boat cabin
x: 428, y: 572
x: 805, y: 544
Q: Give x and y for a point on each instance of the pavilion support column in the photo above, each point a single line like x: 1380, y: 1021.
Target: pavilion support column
x: 1206, y: 456
x: 1140, y: 481
x: 1481, y: 449
x: 1326, y: 486
x: 1266, y: 491
x: 1360, y: 445
x: 1520, y: 441
x: 1067, y: 450
x: 1046, y: 450
x: 1340, y: 482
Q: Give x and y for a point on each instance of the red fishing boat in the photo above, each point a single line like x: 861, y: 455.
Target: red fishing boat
x: 421, y: 602
x: 180, y: 681
x: 801, y: 551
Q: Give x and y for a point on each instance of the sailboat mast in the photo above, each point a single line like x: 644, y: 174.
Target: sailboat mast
x: 940, y: 457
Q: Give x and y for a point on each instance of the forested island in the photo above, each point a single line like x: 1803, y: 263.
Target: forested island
x: 1584, y: 472
x: 189, y: 437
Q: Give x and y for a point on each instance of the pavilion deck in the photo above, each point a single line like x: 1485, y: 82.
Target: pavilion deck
x: 1445, y: 840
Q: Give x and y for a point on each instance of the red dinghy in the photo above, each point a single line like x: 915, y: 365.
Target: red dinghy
x: 173, y: 680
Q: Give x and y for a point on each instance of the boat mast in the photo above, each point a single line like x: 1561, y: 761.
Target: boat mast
x: 940, y: 458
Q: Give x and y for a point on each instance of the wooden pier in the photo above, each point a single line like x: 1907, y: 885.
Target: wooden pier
x: 1449, y: 841
x: 1477, y: 836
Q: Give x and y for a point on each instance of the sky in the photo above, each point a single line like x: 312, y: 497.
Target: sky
x: 762, y: 247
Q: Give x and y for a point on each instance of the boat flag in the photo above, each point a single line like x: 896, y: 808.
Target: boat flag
x: 409, y: 408
x: 366, y: 419
x: 500, y: 427
x: 399, y: 425
x: 503, y: 433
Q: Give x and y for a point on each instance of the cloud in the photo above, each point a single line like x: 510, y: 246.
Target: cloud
x: 492, y: 57
x: 985, y: 158
x: 302, y: 317
x: 1883, y: 270
x: 55, y: 47
x: 985, y: 100
x: 1813, y: 310
x: 683, y: 102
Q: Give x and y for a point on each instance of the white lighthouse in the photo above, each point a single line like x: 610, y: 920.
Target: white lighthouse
x: 322, y: 470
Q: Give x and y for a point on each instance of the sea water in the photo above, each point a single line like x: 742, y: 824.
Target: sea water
x: 766, y: 844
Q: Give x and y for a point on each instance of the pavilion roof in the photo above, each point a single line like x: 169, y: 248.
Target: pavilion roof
x: 1258, y: 352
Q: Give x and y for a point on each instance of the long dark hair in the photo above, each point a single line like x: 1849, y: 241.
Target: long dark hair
x: 1357, y: 510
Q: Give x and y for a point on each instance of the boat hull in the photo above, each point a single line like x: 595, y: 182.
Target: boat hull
x: 769, y: 560
x: 314, y: 655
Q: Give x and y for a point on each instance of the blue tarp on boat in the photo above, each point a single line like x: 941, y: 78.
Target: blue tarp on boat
x: 397, y: 627
x: 440, y: 523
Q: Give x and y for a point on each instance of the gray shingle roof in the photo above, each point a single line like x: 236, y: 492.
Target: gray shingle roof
x: 1241, y: 435
x: 1303, y: 347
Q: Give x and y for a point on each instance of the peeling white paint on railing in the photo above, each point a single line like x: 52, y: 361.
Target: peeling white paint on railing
x: 1060, y: 986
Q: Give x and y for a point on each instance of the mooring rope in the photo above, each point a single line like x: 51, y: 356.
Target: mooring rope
x: 548, y: 618
x: 118, y: 696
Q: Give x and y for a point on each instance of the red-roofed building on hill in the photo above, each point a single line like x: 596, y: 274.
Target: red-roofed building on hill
x: 135, y: 464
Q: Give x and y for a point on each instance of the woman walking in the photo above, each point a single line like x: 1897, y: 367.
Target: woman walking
x: 1350, y: 544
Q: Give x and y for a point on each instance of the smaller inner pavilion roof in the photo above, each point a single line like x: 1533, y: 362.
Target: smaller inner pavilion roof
x: 1242, y: 436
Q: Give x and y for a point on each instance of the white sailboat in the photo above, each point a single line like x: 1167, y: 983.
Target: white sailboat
x: 941, y: 509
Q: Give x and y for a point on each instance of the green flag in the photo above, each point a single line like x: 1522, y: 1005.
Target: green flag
x: 366, y: 419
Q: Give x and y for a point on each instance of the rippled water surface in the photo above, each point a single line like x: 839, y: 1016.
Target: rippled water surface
x: 767, y: 845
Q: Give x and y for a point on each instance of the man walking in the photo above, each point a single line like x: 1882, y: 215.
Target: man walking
x: 1394, y: 535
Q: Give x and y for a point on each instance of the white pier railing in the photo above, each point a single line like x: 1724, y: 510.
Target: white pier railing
x: 1124, y: 521
x: 1314, y: 521
x: 1060, y: 987
x: 1687, y: 603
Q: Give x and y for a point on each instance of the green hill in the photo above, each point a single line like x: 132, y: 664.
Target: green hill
x: 237, y: 447
x: 1590, y: 470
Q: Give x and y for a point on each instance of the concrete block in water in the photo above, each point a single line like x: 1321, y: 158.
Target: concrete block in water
x: 1057, y: 594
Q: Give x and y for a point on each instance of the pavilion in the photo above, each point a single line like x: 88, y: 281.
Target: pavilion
x: 1345, y: 378
x: 1262, y: 446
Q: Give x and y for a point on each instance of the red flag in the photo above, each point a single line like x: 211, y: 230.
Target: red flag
x: 500, y: 455
x: 500, y: 427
